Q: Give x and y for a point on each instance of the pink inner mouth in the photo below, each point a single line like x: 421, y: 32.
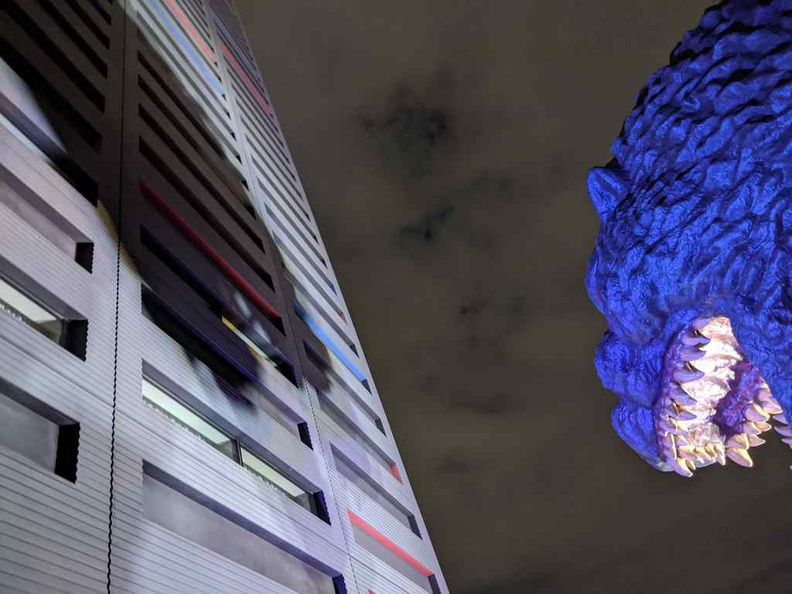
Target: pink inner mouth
x: 715, y: 404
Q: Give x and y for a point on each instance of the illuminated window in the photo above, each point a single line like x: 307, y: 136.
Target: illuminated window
x: 25, y: 309
x: 167, y: 404
x: 272, y: 477
x: 181, y: 415
x: 17, y: 303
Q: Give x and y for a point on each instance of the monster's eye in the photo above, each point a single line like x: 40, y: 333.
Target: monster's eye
x: 714, y: 404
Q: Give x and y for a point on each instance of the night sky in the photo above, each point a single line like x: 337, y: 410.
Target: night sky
x: 444, y: 147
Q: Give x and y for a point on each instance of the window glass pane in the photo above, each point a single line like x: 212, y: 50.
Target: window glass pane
x: 23, y: 308
x: 183, y: 416
x: 269, y: 475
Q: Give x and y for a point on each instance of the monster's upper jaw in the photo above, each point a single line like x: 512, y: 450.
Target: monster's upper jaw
x: 714, y: 403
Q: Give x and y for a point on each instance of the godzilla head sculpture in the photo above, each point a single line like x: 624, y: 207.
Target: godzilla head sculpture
x: 693, y: 263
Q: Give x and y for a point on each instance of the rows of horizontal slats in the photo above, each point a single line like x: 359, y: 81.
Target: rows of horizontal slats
x: 199, y: 129
x: 144, y: 434
x: 53, y: 533
x: 181, y: 140
x: 371, y: 572
x: 282, y: 200
x: 63, y: 51
x: 65, y: 56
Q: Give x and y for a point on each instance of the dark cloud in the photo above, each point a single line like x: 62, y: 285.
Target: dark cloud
x: 473, y: 308
x: 472, y: 208
x: 411, y: 125
x: 424, y: 232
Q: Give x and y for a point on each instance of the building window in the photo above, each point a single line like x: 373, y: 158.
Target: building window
x: 223, y: 367
x: 70, y: 334
x: 23, y: 308
x: 181, y: 415
x: 275, y: 479
x: 253, y: 334
x: 182, y: 509
x: 25, y: 203
x: 38, y: 432
x: 167, y: 404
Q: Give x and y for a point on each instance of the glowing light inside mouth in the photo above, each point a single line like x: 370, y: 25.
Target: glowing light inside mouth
x: 706, y: 376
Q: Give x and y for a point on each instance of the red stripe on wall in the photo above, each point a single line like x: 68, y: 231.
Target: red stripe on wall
x: 199, y: 242
x: 388, y: 544
x: 394, y: 470
x: 246, y: 79
x: 188, y: 26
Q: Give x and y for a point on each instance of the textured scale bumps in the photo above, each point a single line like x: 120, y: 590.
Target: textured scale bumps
x: 696, y: 211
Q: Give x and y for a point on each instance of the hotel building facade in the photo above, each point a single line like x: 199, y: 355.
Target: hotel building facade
x: 184, y: 402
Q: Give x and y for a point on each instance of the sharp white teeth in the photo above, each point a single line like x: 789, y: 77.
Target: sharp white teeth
x: 704, y: 456
x: 691, y: 353
x: 680, y: 466
x: 740, y: 456
x: 687, y: 453
x: 720, y: 454
x: 781, y: 418
x: 750, y: 429
x: 784, y: 430
x: 788, y: 441
x: 755, y: 440
x: 689, y: 339
x: 667, y: 426
x: 772, y: 407
x: 685, y: 375
x: 738, y: 441
x: 686, y: 415
x: 680, y: 396
x: 700, y: 323
x: 763, y: 426
x: 754, y: 412
x: 668, y: 443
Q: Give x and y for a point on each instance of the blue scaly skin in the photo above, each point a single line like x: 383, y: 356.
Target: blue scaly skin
x: 693, y: 262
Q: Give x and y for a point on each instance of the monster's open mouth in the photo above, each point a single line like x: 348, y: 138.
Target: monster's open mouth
x: 715, y: 404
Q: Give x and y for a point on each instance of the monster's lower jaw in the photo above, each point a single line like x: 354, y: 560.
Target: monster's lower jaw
x: 714, y: 403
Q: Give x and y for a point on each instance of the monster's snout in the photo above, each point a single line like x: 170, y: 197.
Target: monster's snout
x: 607, y: 187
